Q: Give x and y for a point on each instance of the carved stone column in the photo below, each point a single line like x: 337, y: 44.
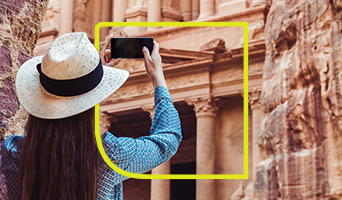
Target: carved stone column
x: 149, y: 109
x: 119, y: 10
x: 195, y: 9
x: 206, y: 111
x: 207, y: 9
x: 160, y: 188
x: 260, y: 3
x: 228, y: 7
x: 153, y: 12
x: 185, y: 8
x: 66, y: 16
x: 254, y: 101
x: 106, y: 121
x: 97, y: 17
x: 136, y: 15
x: 105, y: 17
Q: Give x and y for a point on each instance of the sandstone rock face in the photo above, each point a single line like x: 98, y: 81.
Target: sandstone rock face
x: 20, y: 27
x: 301, y: 133
x: 238, y: 194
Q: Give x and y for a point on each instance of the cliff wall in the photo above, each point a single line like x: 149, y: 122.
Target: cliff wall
x: 302, y: 102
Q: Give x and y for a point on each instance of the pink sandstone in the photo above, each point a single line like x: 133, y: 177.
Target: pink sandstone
x: 301, y: 102
x: 20, y: 25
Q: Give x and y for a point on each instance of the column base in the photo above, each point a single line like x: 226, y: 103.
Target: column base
x: 195, y: 15
x: 259, y: 3
x: 187, y: 16
x: 232, y: 7
x: 205, y: 16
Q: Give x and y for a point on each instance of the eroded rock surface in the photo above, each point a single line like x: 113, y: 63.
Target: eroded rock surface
x: 302, y: 102
x: 20, y: 27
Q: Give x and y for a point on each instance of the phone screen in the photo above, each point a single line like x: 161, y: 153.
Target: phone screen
x: 130, y: 47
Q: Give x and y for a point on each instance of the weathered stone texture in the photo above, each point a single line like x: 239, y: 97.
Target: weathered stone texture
x: 301, y: 102
x: 20, y: 26
x: 217, y: 45
x: 52, y: 15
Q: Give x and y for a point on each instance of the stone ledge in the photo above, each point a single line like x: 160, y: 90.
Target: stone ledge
x: 227, y: 18
x: 171, y: 15
x: 134, y: 12
x: 48, y: 32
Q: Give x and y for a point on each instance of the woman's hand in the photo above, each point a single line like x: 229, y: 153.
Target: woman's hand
x: 153, y: 65
x: 105, y: 54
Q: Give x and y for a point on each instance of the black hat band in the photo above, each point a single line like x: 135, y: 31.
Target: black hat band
x: 71, y: 87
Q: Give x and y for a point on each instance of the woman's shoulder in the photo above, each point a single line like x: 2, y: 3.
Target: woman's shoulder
x: 11, y: 145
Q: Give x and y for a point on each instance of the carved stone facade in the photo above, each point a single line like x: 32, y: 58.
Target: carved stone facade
x: 204, y: 106
x: 294, y: 90
x: 203, y: 67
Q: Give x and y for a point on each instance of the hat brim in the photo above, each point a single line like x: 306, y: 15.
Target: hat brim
x: 42, y: 104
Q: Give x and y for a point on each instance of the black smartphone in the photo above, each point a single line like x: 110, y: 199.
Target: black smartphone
x: 130, y: 47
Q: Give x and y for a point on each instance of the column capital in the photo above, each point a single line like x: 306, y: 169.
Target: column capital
x: 204, y: 106
x: 221, y: 102
x: 254, y: 99
x: 106, y: 121
x: 150, y: 109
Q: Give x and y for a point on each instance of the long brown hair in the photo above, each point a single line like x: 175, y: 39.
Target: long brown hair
x: 58, y: 159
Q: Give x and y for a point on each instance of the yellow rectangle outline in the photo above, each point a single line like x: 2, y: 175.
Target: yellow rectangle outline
x: 245, y: 100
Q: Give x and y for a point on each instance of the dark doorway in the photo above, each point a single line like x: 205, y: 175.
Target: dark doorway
x: 183, y: 189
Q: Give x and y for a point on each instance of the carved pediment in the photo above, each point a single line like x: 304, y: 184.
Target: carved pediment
x: 216, y: 45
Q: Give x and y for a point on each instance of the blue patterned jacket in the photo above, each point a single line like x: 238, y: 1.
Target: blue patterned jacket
x: 133, y: 155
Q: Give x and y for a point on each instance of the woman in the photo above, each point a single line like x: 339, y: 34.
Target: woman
x: 58, y: 157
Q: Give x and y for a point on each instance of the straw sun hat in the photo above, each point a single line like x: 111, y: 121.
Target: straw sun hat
x: 67, y: 80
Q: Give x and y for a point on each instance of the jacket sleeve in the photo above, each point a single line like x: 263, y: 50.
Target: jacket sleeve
x: 10, y: 154
x: 145, y: 153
